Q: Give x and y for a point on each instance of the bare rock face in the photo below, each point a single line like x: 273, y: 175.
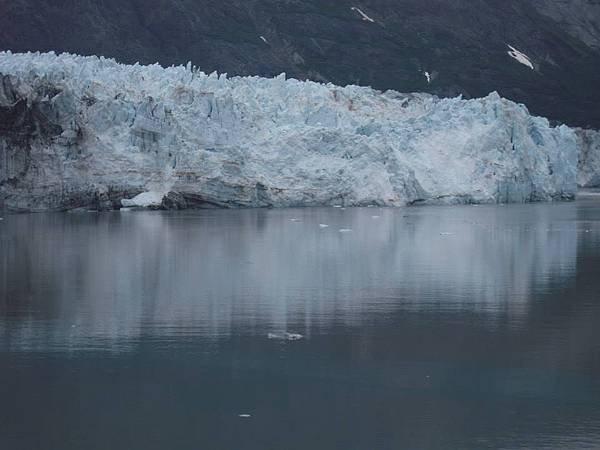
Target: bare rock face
x: 579, y: 18
x: 589, y: 158
x: 88, y: 132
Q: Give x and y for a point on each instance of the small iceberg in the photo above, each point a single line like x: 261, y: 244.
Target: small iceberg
x: 285, y: 336
x: 323, y: 225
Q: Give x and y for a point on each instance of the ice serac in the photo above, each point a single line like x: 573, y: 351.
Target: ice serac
x: 589, y: 158
x: 88, y: 132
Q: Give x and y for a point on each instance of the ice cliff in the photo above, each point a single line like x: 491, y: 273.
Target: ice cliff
x: 589, y: 158
x: 89, y: 132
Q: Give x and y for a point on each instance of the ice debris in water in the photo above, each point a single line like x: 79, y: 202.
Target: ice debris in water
x: 323, y: 225
x: 245, y: 416
x: 345, y: 230
x: 285, y: 336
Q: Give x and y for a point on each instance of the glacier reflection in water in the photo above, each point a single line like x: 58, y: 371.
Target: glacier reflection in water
x: 324, y: 328
x: 86, y: 280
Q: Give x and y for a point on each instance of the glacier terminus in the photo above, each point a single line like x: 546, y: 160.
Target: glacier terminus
x: 87, y: 132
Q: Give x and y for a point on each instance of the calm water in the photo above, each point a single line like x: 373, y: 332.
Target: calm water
x: 423, y: 328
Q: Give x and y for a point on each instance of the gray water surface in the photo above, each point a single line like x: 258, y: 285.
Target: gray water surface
x: 422, y: 328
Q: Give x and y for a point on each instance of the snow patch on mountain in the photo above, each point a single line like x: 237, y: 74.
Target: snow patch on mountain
x: 89, y: 132
x: 520, y: 57
x: 363, y: 15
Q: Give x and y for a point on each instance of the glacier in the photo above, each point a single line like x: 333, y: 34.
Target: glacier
x: 588, y: 142
x: 88, y: 132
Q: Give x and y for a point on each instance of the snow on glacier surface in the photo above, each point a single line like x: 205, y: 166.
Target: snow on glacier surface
x: 251, y: 141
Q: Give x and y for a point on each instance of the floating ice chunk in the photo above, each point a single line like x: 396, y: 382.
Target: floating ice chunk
x: 374, y: 217
x: 295, y: 220
x: 427, y: 76
x: 345, y: 230
x: 285, y: 336
x: 264, y: 39
x: 520, y: 57
x: 245, y: 416
x: 323, y: 225
x: 144, y: 200
x: 364, y: 16
x: 445, y: 233
x: 293, y: 336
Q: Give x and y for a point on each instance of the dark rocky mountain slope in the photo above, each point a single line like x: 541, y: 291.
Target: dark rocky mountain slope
x: 461, y: 44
